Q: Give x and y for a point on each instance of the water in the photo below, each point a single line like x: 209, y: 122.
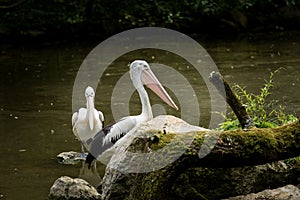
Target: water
x: 36, y: 106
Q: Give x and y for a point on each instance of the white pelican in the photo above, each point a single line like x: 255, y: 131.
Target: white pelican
x: 87, y: 121
x: 140, y: 74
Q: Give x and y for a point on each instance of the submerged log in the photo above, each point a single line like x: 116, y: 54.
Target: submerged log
x: 231, y: 99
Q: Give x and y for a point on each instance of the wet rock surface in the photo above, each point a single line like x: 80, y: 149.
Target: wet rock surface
x: 66, y: 188
x: 180, y: 179
x: 145, y: 164
x: 70, y: 158
x: 288, y: 192
x: 120, y: 179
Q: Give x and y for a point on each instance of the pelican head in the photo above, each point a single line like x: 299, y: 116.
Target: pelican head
x: 90, y: 95
x: 141, y: 74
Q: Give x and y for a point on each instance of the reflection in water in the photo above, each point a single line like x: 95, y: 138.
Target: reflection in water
x: 36, y: 88
x: 91, y: 175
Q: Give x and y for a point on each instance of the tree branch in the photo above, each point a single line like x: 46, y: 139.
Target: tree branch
x: 12, y: 5
x: 239, y: 148
x: 224, y: 89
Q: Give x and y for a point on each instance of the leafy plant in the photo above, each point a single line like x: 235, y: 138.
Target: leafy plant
x: 27, y: 16
x: 264, y: 114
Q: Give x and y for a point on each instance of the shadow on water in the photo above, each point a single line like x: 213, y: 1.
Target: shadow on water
x: 36, y: 106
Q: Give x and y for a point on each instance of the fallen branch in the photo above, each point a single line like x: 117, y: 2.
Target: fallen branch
x: 238, y: 148
x: 239, y: 110
x: 12, y: 5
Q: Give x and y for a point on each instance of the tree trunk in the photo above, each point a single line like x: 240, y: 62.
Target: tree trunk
x: 238, y: 148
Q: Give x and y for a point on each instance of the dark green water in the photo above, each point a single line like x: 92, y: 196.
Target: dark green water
x: 36, y: 98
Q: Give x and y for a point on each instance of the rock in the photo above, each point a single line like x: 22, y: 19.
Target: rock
x: 220, y: 183
x: 70, y: 158
x: 169, y: 124
x: 288, y: 192
x: 146, y: 166
x: 66, y: 188
x: 119, y: 175
x: 150, y: 130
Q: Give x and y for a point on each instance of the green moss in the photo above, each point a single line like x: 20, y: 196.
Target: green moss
x: 184, y: 178
x: 163, y: 140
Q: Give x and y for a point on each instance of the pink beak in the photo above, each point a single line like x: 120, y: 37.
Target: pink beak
x: 150, y: 80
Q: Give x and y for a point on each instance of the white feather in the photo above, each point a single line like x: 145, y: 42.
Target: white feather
x: 101, y: 116
x: 123, y: 126
x: 81, y: 127
x: 74, y: 118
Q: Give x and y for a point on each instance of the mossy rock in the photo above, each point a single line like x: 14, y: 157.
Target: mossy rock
x: 220, y: 174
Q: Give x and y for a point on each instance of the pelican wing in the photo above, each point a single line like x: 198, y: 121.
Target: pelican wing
x: 74, y: 118
x: 97, y: 146
x: 74, y: 124
x: 119, y: 129
x: 101, y: 117
x: 105, y: 138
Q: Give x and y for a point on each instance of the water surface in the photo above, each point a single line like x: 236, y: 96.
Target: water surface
x: 36, y: 88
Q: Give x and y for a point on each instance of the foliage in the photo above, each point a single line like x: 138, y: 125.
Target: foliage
x: 112, y: 15
x: 264, y: 114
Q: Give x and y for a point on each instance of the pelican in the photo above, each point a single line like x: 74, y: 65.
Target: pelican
x: 140, y: 74
x: 87, y: 121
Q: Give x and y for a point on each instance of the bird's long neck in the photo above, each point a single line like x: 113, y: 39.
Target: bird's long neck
x: 146, y: 107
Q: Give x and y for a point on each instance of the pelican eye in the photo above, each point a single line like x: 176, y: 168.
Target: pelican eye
x: 145, y: 67
x: 90, y: 95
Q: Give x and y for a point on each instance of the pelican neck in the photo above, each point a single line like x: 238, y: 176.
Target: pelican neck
x: 146, y: 106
